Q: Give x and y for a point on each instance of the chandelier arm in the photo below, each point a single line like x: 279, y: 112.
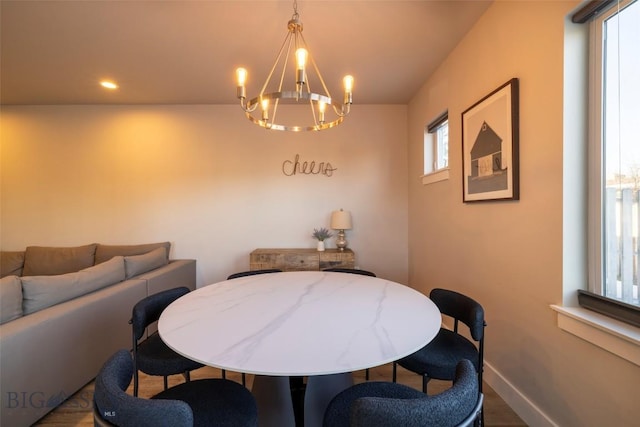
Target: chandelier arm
x: 286, y: 62
x: 342, y: 112
x: 308, y: 81
x: 247, y: 107
x: 307, y: 86
x: 275, y: 110
x: 284, y: 68
x: 313, y: 112
x: 315, y: 67
x: 275, y: 64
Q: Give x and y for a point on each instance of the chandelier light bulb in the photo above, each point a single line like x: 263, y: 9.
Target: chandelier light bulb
x: 265, y: 109
x: 241, y: 75
x: 301, y: 58
x: 301, y: 62
x: 348, y: 84
x: 348, y: 89
x: 321, y: 107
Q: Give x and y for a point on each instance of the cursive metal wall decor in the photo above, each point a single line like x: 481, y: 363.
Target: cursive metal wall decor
x: 295, y: 167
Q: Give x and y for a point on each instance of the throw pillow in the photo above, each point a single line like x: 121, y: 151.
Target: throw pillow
x: 42, y: 261
x: 106, y: 252
x: 11, y: 263
x: 44, y: 291
x: 139, y: 264
x: 10, y: 298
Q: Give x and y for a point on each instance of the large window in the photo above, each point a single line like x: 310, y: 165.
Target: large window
x: 614, y: 191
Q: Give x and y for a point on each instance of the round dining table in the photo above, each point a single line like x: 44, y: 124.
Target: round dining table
x: 314, y: 324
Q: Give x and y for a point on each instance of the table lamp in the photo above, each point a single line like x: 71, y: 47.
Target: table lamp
x: 341, y: 220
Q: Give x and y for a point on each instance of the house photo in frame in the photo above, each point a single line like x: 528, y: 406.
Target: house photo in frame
x: 490, y: 146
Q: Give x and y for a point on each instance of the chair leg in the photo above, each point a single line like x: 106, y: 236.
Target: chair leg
x: 481, y: 418
x: 425, y: 380
x: 135, y: 382
x: 165, y: 382
x: 366, y: 374
x: 224, y: 374
x: 187, y: 376
x: 479, y: 422
x: 393, y: 376
x: 244, y: 379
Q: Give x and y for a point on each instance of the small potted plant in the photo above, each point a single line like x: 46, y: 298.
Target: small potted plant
x: 320, y: 235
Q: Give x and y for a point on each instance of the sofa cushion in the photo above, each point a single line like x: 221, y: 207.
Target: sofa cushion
x: 11, y: 263
x: 41, y: 260
x: 138, y: 264
x: 106, y: 252
x: 10, y: 298
x: 44, y: 291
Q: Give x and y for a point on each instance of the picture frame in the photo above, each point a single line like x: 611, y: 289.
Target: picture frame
x: 490, y: 146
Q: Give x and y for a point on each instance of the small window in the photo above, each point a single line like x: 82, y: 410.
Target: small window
x: 436, y: 144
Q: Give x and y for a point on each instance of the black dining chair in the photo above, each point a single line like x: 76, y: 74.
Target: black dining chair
x: 203, y: 402
x: 439, y: 358
x: 253, y: 272
x: 386, y: 404
x: 152, y: 356
x: 351, y: 271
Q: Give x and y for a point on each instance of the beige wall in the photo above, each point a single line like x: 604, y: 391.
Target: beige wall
x: 509, y: 255
x: 204, y: 178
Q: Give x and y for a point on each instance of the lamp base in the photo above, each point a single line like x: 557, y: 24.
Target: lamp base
x: 341, y: 242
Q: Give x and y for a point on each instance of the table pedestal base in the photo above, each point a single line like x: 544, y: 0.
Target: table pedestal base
x: 273, y: 397
x: 320, y: 390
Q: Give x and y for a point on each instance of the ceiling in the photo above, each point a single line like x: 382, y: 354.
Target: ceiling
x: 186, y: 52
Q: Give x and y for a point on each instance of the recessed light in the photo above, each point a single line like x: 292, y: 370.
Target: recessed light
x: 108, y: 84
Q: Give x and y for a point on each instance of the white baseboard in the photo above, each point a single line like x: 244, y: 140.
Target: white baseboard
x: 521, y: 405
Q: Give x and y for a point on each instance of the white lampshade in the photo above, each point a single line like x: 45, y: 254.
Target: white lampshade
x: 341, y: 220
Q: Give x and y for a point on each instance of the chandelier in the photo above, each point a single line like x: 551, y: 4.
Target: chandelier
x: 272, y: 94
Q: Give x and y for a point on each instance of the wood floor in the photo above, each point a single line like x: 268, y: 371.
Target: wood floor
x: 76, y: 411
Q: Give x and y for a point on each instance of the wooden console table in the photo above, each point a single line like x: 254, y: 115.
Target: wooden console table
x: 301, y: 259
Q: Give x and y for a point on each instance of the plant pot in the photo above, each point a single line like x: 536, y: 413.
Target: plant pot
x: 320, y: 245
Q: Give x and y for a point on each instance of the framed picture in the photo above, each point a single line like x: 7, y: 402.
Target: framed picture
x: 490, y: 146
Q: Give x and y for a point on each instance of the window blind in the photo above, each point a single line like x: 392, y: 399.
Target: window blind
x: 590, y: 10
x: 431, y: 127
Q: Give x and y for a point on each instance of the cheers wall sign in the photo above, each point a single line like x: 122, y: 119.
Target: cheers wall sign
x: 295, y: 167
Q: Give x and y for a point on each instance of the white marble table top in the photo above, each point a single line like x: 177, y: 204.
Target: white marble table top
x: 299, y: 323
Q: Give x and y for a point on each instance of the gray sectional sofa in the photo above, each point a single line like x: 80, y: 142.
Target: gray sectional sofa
x: 64, y: 311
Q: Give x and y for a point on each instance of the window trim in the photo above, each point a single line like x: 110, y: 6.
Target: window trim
x: 614, y: 336
x: 594, y: 299
x: 435, y: 176
x: 616, y: 309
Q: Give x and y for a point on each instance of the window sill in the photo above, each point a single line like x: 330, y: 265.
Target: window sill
x: 439, y: 175
x: 612, y: 335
